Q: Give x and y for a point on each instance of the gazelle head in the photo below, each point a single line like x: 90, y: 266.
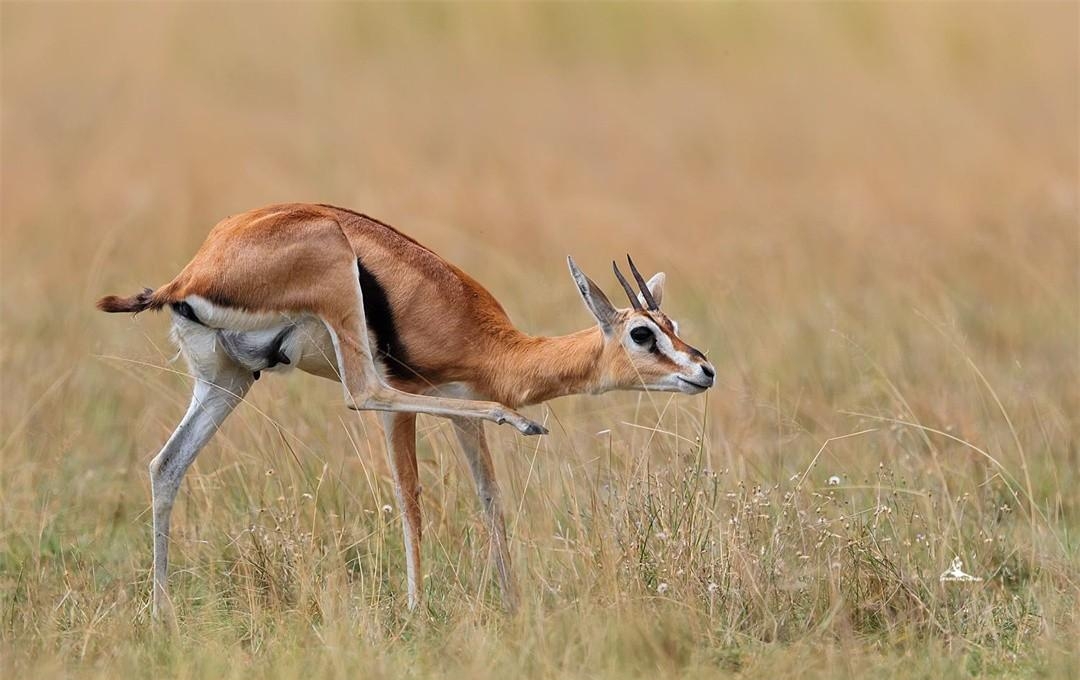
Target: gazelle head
x: 642, y: 348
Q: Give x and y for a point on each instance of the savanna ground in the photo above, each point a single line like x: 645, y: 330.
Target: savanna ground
x: 868, y: 216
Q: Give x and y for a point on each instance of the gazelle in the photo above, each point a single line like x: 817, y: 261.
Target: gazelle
x: 341, y: 295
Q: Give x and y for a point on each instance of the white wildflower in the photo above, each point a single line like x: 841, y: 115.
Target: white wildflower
x: 386, y: 509
x: 834, y: 481
x: 662, y: 588
x: 955, y: 572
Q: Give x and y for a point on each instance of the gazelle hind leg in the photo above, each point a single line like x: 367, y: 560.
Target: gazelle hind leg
x: 470, y: 435
x: 211, y: 403
x: 400, y: 431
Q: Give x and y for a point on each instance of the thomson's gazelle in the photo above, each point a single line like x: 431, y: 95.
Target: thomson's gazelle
x: 346, y: 297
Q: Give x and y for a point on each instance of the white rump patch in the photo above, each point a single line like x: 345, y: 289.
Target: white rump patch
x: 232, y: 319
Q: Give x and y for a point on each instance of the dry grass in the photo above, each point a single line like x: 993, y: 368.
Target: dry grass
x: 868, y: 214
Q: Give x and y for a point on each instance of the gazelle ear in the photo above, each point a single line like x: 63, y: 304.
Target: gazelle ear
x: 656, y: 287
x: 602, y: 309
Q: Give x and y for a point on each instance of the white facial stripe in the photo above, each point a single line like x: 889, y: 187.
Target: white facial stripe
x: 667, y: 348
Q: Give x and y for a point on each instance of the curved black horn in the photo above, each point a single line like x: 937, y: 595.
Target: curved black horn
x: 645, y: 292
x: 626, y: 286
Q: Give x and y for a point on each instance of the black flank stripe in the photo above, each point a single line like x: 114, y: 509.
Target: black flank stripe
x: 380, y: 321
x: 184, y: 309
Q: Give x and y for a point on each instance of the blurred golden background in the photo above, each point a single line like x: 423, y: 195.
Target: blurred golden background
x: 862, y: 209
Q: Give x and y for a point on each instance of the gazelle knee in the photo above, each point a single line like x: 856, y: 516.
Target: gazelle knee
x: 489, y: 499
x: 163, y: 476
x: 366, y: 398
x: 155, y: 466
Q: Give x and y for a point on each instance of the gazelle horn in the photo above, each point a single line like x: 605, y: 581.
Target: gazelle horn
x: 645, y: 292
x: 626, y: 286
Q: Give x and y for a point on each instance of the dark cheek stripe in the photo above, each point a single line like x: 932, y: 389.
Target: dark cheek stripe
x: 665, y: 359
x: 681, y: 346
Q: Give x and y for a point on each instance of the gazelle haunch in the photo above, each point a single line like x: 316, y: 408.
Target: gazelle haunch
x: 343, y: 296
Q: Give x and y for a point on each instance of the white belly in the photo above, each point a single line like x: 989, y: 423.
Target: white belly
x: 308, y: 344
x: 311, y: 349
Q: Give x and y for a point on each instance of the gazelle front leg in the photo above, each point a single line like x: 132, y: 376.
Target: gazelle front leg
x: 470, y: 435
x: 386, y: 398
x: 400, y: 432
x: 365, y: 390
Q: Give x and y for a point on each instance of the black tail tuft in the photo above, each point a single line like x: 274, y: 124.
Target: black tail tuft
x: 136, y: 303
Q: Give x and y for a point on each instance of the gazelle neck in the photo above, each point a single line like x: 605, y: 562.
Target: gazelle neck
x: 535, y: 369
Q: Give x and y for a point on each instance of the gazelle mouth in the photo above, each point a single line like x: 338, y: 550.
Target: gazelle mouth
x: 697, y: 385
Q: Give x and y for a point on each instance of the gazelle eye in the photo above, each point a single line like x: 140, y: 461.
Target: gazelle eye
x: 642, y: 335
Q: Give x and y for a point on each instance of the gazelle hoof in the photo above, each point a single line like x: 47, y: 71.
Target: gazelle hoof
x: 529, y: 428
x: 520, y: 422
x: 535, y: 428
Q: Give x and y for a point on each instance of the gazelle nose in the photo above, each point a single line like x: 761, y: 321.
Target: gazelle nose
x: 708, y: 371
